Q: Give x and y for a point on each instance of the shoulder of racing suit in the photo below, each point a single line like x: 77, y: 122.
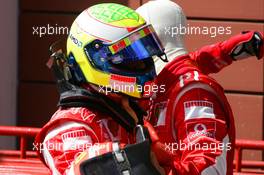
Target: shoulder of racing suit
x: 186, y: 79
x: 88, y: 103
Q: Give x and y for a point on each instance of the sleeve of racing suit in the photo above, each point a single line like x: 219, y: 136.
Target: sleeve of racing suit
x: 63, y: 144
x: 201, y: 134
x: 213, y: 58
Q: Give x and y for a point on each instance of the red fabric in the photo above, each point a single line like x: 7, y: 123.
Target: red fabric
x: 212, y: 58
x: 96, y: 136
x: 167, y: 112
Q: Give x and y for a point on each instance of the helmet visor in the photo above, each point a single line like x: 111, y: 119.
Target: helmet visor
x: 139, y: 45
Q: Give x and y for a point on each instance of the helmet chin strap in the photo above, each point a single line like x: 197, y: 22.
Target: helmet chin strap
x: 164, y: 58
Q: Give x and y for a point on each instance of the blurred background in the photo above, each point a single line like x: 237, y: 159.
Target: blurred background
x: 28, y: 94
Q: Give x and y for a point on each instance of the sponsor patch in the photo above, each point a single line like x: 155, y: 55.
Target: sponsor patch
x: 75, y: 140
x: 196, y: 129
x: 198, y: 109
x: 122, y: 80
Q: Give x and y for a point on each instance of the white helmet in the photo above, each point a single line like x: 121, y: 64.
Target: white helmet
x: 168, y: 18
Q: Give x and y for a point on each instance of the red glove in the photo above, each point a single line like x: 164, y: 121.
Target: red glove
x: 249, y: 43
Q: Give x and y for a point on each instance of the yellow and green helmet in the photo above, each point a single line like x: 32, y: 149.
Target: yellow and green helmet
x: 110, y: 45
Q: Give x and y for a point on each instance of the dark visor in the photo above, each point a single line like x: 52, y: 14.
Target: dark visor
x: 139, y: 45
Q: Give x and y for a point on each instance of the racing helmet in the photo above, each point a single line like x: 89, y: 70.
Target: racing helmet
x: 168, y: 23
x: 111, y: 46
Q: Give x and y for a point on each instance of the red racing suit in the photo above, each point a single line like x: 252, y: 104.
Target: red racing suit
x: 74, y: 130
x: 191, y: 115
x: 195, y: 123
x: 193, y: 109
